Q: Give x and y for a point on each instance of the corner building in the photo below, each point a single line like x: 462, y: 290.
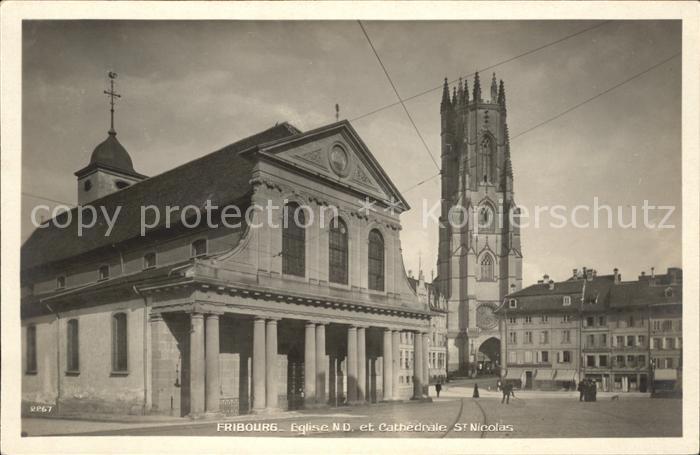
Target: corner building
x: 256, y: 316
x: 479, y: 256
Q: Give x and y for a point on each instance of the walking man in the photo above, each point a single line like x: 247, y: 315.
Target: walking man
x: 507, y: 390
x: 438, y: 388
x: 581, y: 389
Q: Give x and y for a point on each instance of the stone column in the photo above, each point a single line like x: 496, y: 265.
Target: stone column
x: 197, y: 366
x: 259, y: 365
x: 212, y: 361
x: 271, y: 364
x: 417, y: 365
x: 388, y: 374
x: 426, y: 364
x: 310, y: 364
x: 159, y: 375
x: 395, y: 367
x: 361, y: 365
x: 321, y: 364
x: 352, y: 365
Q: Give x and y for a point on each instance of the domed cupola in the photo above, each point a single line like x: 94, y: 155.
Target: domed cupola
x: 110, y: 168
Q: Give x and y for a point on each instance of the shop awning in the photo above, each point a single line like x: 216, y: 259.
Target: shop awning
x: 544, y: 374
x: 665, y: 374
x: 565, y: 375
x: 514, y: 373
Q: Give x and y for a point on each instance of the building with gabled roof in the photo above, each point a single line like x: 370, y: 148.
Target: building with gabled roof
x: 624, y: 335
x: 216, y: 310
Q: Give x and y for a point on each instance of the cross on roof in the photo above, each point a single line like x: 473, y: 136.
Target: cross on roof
x: 112, y: 94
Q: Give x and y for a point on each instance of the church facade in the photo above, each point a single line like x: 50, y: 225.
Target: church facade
x: 479, y: 256
x: 274, y: 311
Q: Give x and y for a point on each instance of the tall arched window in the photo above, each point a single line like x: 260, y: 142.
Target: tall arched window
x: 73, y: 348
x: 338, y: 252
x: 294, y: 240
x: 486, y: 157
x: 376, y: 261
x: 120, y: 349
x: 487, y: 268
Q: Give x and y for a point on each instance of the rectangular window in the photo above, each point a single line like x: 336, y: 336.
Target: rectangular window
x: 544, y: 318
x: 657, y: 325
x: 566, y: 336
x: 630, y: 341
x: 668, y: 343
x: 603, y: 360
x: 641, y: 361
x: 199, y: 248
x: 120, y: 348
x: 630, y: 321
x: 149, y: 260
x: 620, y: 340
x: 544, y: 355
x: 590, y: 321
x: 603, y: 339
x: 512, y: 320
x: 666, y: 326
x: 590, y: 340
x: 31, y: 349
x: 669, y: 362
x: 512, y: 357
x: 72, y: 348
x: 103, y: 272
x: 601, y: 321
x: 641, y: 341
x: 544, y: 337
x: 566, y: 356
x: 566, y: 318
x: 657, y: 343
x: 528, y: 357
x: 528, y: 319
x: 513, y: 337
x: 631, y: 361
x: 590, y: 361
x: 528, y: 337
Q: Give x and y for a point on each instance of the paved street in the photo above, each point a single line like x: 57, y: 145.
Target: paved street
x: 452, y: 416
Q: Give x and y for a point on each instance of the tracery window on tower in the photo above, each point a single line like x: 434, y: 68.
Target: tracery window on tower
x: 486, y: 159
x: 486, y: 268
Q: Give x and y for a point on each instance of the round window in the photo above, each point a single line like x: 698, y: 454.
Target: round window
x: 339, y: 161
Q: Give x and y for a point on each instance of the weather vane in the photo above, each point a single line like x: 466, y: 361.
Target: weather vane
x: 112, y: 94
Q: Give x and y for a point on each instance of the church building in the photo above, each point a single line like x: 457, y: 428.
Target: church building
x: 275, y: 311
x: 479, y: 256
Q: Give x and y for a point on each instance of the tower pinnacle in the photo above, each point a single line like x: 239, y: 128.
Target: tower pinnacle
x: 477, y: 88
x: 445, y: 97
x: 494, y: 88
x: 501, y: 94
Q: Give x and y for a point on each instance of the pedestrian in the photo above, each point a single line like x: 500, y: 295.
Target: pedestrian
x: 438, y: 388
x: 581, y: 389
x: 476, y: 391
x: 507, y: 389
x: 594, y: 390
x: 499, y: 384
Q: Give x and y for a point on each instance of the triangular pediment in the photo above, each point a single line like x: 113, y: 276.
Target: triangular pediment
x: 337, y: 154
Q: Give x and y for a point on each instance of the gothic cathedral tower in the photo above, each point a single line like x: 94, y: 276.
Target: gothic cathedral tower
x: 479, y: 258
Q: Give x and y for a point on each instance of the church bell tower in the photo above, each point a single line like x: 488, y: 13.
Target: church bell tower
x: 479, y: 257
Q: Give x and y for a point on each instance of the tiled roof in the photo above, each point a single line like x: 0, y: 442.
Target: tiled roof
x: 221, y: 177
x: 640, y: 293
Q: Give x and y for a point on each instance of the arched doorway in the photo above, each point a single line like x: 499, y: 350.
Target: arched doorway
x: 489, y: 357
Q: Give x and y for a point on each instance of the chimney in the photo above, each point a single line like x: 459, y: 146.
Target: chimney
x: 575, y: 274
x: 545, y: 277
x: 551, y: 285
x: 652, y: 273
x: 589, y: 274
x: 616, y: 276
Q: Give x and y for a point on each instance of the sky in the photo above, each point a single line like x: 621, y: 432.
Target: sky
x: 189, y: 88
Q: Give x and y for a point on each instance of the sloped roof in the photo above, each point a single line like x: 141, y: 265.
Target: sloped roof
x: 641, y: 293
x: 223, y: 177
